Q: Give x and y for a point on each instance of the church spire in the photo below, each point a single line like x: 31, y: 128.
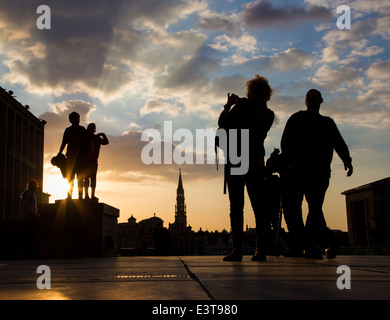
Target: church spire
x: 180, y: 223
x: 180, y: 185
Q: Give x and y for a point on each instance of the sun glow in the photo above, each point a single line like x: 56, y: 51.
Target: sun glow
x: 56, y: 186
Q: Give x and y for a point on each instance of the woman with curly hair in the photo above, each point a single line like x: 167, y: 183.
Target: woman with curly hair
x: 250, y: 113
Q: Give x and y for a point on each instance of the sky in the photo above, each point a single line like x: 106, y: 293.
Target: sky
x: 130, y: 66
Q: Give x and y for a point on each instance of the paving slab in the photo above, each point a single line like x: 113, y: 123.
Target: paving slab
x: 294, y: 278
x: 196, y: 278
x: 117, y: 278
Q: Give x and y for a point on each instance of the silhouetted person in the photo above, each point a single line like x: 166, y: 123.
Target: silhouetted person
x: 75, y: 137
x: 308, y: 142
x: 248, y: 113
x: 30, y: 211
x: 92, y: 155
x: 28, y: 235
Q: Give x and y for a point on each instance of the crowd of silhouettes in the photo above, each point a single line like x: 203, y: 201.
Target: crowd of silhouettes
x: 302, y: 169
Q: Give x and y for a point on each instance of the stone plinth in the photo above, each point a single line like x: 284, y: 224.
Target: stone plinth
x: 77, y: 228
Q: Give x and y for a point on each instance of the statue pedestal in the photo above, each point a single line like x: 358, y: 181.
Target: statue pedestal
x: 77, y: 228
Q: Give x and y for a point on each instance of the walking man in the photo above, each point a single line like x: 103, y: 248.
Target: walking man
x: 308, y: 142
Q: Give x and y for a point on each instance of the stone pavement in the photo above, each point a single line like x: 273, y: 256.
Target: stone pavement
x: 205, y: 278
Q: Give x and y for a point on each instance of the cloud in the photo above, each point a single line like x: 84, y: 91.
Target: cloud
x: 379, y: 70
x: 73, y: 53
x: 157, y: 15
x: 338, y: 79
x: 217, y: 22
x: 189, y: 74
x: 93, y: 47
x: 263, y: 14
x: 383, y: 27
x: 159, y: 106
x: 222, y: 85
x: 291, y: 59
x: 358, y: 8
x: 244, y: 43
x: 360, y: 30
x: 340, y: 46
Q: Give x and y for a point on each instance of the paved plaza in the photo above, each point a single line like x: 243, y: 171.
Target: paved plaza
x: 205, y: 278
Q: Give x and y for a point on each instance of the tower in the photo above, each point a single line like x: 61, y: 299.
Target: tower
x: 180, y: 223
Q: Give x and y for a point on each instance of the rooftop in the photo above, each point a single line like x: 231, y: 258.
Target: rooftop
x: 376, y: 184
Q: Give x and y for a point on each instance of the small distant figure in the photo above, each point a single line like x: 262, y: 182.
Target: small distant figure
x: 249, y: 113
x: 92, y: 155
x: 75, y: 138
x: 28, y: 232
x: 308, y: 142
x: 30, y: 210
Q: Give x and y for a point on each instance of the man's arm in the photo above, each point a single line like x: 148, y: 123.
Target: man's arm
x: 342, y: 150
x: 103, y: 139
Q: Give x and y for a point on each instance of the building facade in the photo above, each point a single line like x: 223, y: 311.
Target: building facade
x: 368, y: 214
x: 139, y: 238
x: 21, y: 154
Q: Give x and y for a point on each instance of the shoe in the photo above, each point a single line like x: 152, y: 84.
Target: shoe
x: 259, y: 257
x: 233, y: 256
x: 312, y: 254
x: 331, y: 252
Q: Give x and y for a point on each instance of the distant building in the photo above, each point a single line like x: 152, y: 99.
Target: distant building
x: 368, y: 214
x: 21, y: 154
x: 183, y: 238
x: 138, y: 237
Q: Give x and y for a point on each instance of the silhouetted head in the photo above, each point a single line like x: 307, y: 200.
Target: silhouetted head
x: 258, y: 89
x: 91, y: 128
x: 32, y: 185
x: 313, y: 100
x: 74, y: 118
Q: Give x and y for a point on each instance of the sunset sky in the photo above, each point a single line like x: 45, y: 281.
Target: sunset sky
x: 130, y: 65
